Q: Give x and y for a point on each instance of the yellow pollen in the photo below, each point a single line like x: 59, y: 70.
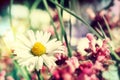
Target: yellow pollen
x: 38, y: 49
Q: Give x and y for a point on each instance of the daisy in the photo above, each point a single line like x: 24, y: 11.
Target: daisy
x: 34, y: 49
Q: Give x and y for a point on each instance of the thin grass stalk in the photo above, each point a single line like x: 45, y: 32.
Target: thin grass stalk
x: 63, y: 33
x: 68, y: 46
x: 70, y: 26
x: 103, y: 33
x: 109, y: 30
x: 108, y: 27
x: 70, y: 30
x: 62, y: 3
x: 61, y: 22
x: 113, y: 53
x: 78, y: 17
x: 38, y: 75
x: 35, y: 4
x: 47, y: 9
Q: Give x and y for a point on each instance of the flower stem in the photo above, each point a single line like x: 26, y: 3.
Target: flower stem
x: 63, y: 33
x: 38, y: 75
x: 108, y: 27
x: 47, y: 9
x: 35, y: 4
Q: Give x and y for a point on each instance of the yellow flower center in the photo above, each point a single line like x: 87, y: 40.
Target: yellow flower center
x: 38, y: 49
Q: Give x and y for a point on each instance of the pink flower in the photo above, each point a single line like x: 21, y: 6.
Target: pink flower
x: 61, y: 73
x: 86, y: 67
x: 97, y: 52
x: 90, y: 37
x: 98, y: 66
x: 87, y: 77
x: 66, y: 70
x: 72, y: 63
x: 92, y: 41
x: 60, y: 59
x: 67, y: 76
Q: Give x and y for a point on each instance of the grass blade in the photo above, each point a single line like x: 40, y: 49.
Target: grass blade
x: 108, y: 27
x: 46, y: 6
x: 103, y: 33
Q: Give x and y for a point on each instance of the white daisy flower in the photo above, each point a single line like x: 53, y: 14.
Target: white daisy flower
x: 35, y: 49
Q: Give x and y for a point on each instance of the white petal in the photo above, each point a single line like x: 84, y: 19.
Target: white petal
x: 62, y: 48
x: 38, y: 37
x: 32, y: 64
x: 24, y: 40
x: 25, y: 61
x: 39, y: 63
x: 54, y: 46
x: 31, y: 36
x: 46, y: 37
x: 22, y: 47
x: 22, y: 53
x: 50, y: 42
x: 57, y: 51
x: 48, y: 62
x: 53, y: 58
x: 41, y: 34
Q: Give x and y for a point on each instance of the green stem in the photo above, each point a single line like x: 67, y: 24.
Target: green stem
x: 46, y: 6
x: 61, y: 22
x: 70, y: 31
x: 63, y: 33
x: 103, y: 33
x: 35, y: 4
x: 38, y: 75
x: 68, y: 46
x: 70, y: 24
x: 62, y: 3
x: 114, y: 54
x: 108, y: 27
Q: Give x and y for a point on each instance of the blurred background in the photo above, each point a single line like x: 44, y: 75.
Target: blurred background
x: 17, y: 16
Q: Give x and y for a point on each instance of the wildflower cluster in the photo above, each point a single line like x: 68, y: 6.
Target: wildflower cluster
x: 88, y: 67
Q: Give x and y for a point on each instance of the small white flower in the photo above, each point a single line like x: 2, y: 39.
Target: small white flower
x: 83, y: 43
x: 36, y: 18
x: 35, y: 49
